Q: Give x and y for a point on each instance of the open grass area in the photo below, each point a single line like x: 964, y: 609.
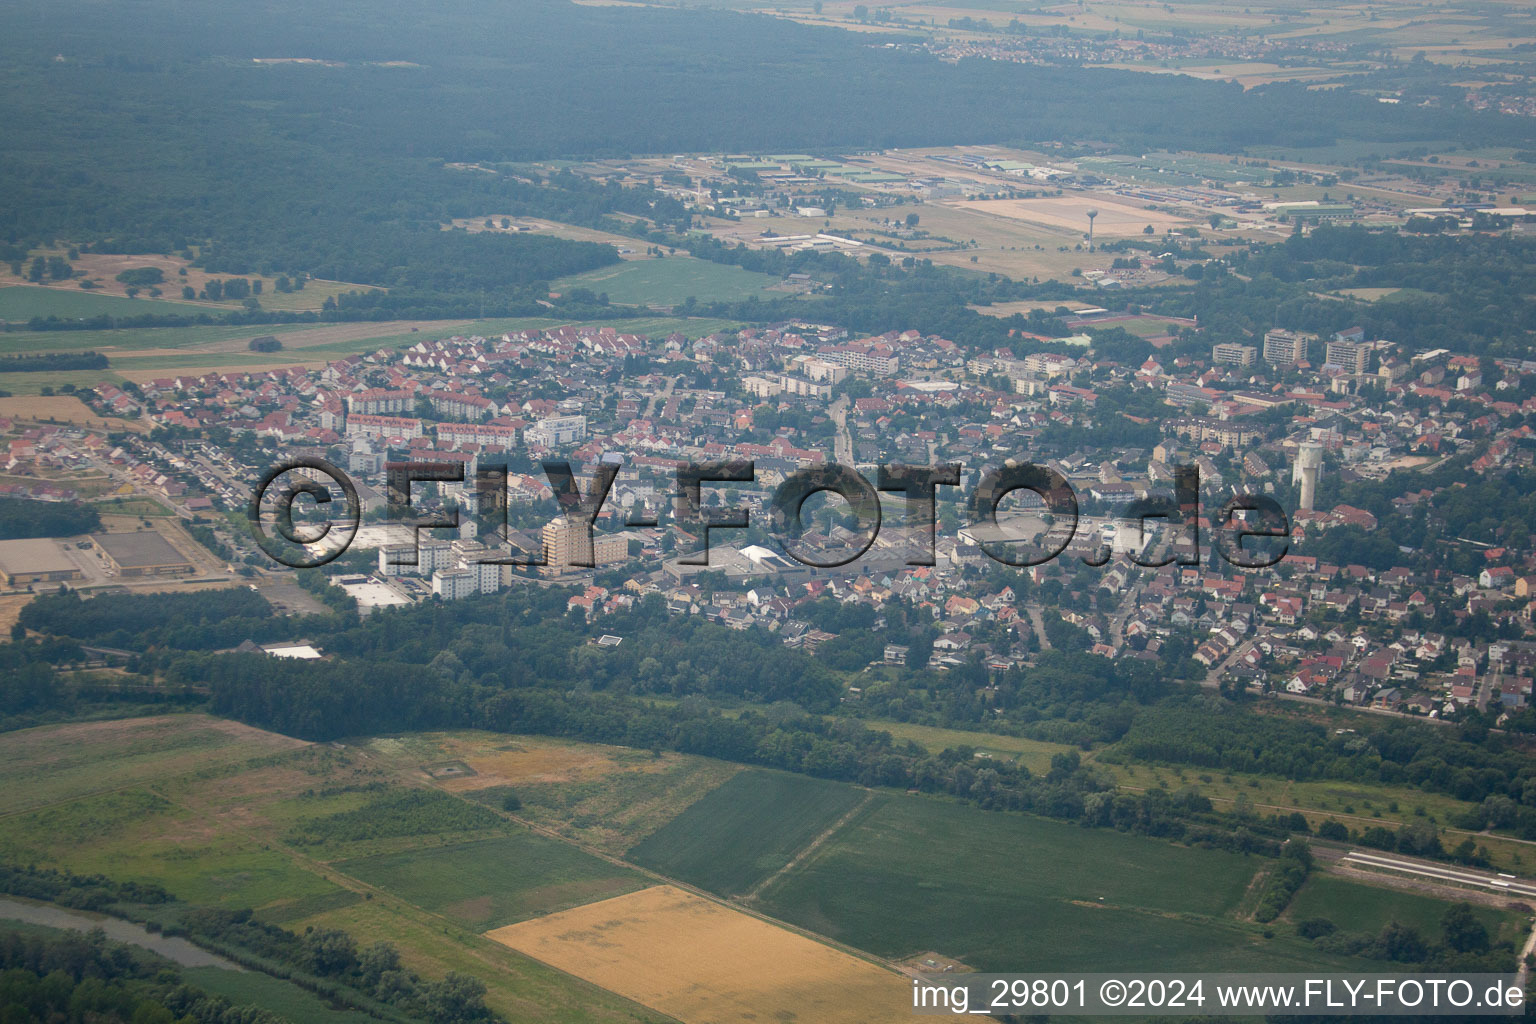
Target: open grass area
x: 1357, y: 907
x: 20, y: 303
x: 745, y: 830
x: 142, y: 354
x: 1358, y: 805
x: 53, y: 763
x: 203, y: 818
x: 601, y: 796
x: 669, y: 281
x: 999, y: 890
x: 252, y: 988
x: 495, y: 882
x: 1033, y: 754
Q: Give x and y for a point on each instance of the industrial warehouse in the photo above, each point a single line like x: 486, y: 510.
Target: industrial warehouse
x: 140, y: 554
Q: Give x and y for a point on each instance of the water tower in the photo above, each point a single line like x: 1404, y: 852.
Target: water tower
x: 1309, y: 464
x: 1092, y: 213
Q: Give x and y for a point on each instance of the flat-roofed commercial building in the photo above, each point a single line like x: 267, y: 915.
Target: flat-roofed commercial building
x: 37, y: 560
x: 145, y: 553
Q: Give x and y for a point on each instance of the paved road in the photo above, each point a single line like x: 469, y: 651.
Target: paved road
x: 842, y: 445
x: 1498, y: 883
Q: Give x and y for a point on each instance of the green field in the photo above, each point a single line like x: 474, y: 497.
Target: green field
x: 745, y: 830
x: 23, y: 302
x: 1009, y: 892
x: 251, y: 988
x: 667, y: 282
x: 614, y: 812
x: 496, y: 882
x: 193, y: 343
x: 1033, y: 754
x: 1354, y: 907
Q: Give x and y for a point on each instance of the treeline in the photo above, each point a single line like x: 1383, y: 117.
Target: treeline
x: 519, y: 662
x: 348, y: 698
x: 53, y: 361
x: 26, y: 517
x: 79, y: 978
x: 182, y: 621
x: 1206, y: 732
x: 1464, y: 943
x: 79, y: 892
x: 329, y: 962
x: 325, y: 961
x: 1286, y: 877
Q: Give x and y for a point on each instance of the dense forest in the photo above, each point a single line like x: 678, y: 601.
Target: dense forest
x: 135, y: 128
x: 24, y: 517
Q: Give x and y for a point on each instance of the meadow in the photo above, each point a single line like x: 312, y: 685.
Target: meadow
x: 198, y: 805
x: 495, y: 882
x: 252, y: 988
x: 745, y: 830
x: 53, y: 763
x: 377, y: 837
x: 1033, y: 754
x: 998, y: 891
x: 1358, y: 805
x: 142, y: 354
x: 1361, y: 908
x: 20, y: 303
x: 670, y: 281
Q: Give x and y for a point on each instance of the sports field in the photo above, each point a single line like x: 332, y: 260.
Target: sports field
x: 704, y: 963
x: 746, y: 830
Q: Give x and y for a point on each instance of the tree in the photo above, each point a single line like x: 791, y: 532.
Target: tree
x: 1463, y: 931
x: 330, y: 951
x: 457, y: 999
x: 861, y: 12
x: 912, y: 220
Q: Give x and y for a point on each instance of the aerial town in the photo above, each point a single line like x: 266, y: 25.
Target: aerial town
x: 1292, y: 418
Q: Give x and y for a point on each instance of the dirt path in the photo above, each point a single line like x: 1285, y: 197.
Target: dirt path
x: 810, y: 849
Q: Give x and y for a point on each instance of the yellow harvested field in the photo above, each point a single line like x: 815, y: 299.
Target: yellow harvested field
x: 60, y: 408
x: 705, y: 963
x: 1071, y: 212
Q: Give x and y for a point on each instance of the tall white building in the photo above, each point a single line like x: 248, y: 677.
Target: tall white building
x: 555, y: 431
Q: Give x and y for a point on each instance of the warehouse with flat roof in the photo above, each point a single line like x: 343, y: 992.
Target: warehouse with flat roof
x: 145, y: 553
x: 38, y: 560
